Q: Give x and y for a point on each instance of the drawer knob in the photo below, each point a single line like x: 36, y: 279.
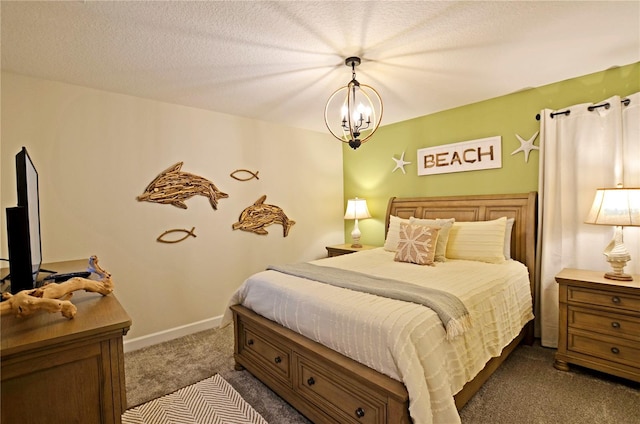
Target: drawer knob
x: 615, y: 350
x: 615, y: 299
x: 359, y: 412
x: 250, y: 342
x: 311, y: 381
x: 277, y: 360
x: 615, y: 324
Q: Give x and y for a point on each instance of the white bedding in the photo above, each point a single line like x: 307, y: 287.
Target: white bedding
x: 403, y: 340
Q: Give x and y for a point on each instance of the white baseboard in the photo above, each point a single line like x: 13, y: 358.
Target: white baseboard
x: 170, y: 334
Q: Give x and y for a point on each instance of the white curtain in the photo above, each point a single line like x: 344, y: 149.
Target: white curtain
x: 580, y: 152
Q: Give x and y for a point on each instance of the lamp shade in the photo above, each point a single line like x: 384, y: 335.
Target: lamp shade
x: 615, y: 206
x: 357, y: 209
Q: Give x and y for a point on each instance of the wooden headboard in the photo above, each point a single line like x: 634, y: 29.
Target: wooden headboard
x: 521, y: 207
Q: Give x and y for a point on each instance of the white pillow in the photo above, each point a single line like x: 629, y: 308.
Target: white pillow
x: 507, y: 238
x: 443, y: 236
x: 478, y: 240
x: 393, y: 234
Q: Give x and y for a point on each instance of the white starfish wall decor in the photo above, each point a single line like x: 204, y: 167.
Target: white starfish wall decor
x: 400, y: 163
x: 526, y: 146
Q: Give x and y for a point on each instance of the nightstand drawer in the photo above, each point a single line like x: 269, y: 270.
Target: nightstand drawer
x: 614, y: 324
x: 609, y: 348
x: 603, y: 298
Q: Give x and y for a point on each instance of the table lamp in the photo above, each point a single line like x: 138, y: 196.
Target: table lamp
x: 356, y: 209
x: 618, y: 207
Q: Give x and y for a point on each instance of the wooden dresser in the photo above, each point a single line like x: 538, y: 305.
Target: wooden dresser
x: 55, y: 370
x: 599, y: 323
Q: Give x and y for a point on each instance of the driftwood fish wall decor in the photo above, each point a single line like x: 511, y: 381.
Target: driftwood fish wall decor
x: 173, y: 187
x: 188, y: 233
x: 246, y: 175
x: 259, y: 215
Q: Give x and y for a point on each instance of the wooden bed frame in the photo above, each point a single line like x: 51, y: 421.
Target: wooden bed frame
x: 328, y: 387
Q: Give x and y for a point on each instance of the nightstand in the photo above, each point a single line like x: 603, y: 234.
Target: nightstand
x: 599, y: 323
x: 343, y: 249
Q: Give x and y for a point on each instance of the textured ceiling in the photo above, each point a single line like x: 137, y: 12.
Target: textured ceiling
x: 280, y: 61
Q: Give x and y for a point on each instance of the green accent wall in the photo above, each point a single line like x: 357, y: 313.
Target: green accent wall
x: 367, y: 170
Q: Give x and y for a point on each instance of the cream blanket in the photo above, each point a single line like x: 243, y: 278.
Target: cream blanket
x: 403, y: 340
x: 450, y: 309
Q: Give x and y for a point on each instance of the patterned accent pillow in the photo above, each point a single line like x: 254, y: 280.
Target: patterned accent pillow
x: 417, y: 244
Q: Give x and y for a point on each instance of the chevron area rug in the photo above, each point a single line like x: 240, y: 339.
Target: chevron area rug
x: 210, y: 401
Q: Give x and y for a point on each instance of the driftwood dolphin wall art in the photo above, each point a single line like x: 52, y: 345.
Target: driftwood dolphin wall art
x: 259, y: 215
x: 173, y: 187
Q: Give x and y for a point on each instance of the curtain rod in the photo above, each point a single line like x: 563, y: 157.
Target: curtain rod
x: 567, y: 112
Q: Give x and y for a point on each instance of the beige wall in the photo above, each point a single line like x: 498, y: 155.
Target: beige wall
x: 96, y: 151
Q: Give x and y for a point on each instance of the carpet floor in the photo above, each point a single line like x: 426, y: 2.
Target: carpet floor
x: 525, y: 389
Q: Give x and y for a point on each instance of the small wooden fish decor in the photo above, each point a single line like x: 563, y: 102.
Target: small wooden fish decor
x: 188, y: 233
x: 173, y: 187
x: 260, y: 215
x: 246, y: 175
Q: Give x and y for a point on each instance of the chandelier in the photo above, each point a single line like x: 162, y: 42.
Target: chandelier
x: 353, y: 112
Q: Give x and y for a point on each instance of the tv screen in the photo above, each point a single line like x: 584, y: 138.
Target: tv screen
x: 23, y: 227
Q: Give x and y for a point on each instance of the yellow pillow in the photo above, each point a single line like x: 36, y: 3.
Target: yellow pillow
x: 417, y: 244
x: 477, y: 241
x: 443, y: 236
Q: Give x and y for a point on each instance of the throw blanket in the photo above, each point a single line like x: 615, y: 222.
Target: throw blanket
x: 451, y: 311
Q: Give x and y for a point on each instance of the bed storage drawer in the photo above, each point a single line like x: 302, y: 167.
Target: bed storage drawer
x: 348, y: 400
x: 273, y: 357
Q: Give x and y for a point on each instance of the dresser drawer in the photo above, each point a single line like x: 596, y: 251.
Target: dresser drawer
x: 352, y: 402
x: 603, y: 298
x: 624, y: 326
x: 275, y: 358
x: 608, y: 348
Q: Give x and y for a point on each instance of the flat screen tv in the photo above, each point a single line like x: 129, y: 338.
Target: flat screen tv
x: 23, y: 227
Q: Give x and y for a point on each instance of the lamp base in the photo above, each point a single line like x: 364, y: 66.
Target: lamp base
x: 617, y: 255
x: 619, y: 277
x: 355, y: 235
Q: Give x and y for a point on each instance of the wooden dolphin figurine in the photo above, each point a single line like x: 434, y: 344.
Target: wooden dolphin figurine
x: 173, y: 186
x: 259, y: 215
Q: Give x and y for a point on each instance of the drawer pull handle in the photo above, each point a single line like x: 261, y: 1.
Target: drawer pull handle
x: 311, y: 381
x: 250, y: 342
x: 277, y: 360
x: 359, y: 412
x: 615, y: 350
x: 615, y: 324
x: 615, y: 299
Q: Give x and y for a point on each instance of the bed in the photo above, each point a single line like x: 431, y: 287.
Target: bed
x: 357, y: 363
